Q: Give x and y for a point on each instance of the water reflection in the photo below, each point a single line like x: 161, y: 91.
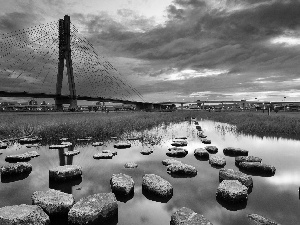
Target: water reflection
x: 274, y: 197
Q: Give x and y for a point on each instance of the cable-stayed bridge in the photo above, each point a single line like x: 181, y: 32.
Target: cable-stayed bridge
x: 54, y: 60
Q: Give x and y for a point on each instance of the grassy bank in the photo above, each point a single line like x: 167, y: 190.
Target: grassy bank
x: 101, y: 126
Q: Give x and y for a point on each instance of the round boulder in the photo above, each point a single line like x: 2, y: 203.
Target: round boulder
x: 94, y: 209
x: 23, y: 214
x: 53, y: 202
x: 217, y: 161
x: 240, y: 159
x: 230, y: 174
x: 182, y: 169
x: 230, y: 151
x: 232, y: 191
x: 167, y: 162
x: 211, y: 149
x: 177, y: 152
x: 131, y: 165
x: 66, y: 172
x: 122, y: 184
x: 201, y: 153
x: 186, y: 216
x: 257, y: 168
x: 18, y: 158
x: 157, y: 186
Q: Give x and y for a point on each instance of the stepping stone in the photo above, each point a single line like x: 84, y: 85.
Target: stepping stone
x: 23, y: 214
x: 53, y: 202
x: 130, y: 165
x: 33, y: 145
x: 64, y: 139
x: 211, y: 149
x: 240, y: 159
x: 177, y: 152
x: 186, y: 216
x: 156, y: 185
x: 230, y: 151
x: 84, y: 139
x: 110, y: 152
x: 232, y: 191
x: 178, y: 143
x: 122, y: 145
x: 181, y: 138
x: 182, y: 169
x: 100, y: 143
x: 146, y: 151
x: 71, y: 153
x: 217, y: 161
x: 257, y: 168
x: 122, y: 184
x: 167, y: 162
x: 66, y: 172
x: 103, y: 155
x: 16, y: 168
x: 21, y: 157
x: 201, y: 135
x: 29, y: 140
x: 260, y: 220
x: 33, y: 154
x: 198, y: 127
x: 94, y: 209
x: 206, y: 141
x: 230, y: 174
x: 196, y: 123
x: 58, y: 146
x: 3, y: 145
x: 66, y: 143
x: 133, y: 139
x: 201, y: 153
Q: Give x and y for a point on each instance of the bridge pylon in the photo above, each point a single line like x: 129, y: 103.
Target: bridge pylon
x: 65, y: 54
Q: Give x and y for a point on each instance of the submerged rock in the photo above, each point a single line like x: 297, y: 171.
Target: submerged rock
x: 157, y: 186
x: 130, y: 165
x: 53, y: 202
x: 201, y: 153
x: 16, y: 168
x: 66, y: 172
x: 71, y: 153
x: 230, y: 174
x: 177, y: 152
x: 179, y: 143
x: 230, y: 151
x: 182, y: 169
x: 186, y: 216
x: 240, y: 159
x: 232, y: 191
x: 211, y: 149
x: 167, y: 162
x: 122, y: 184
x: 23, y: 214
x: 146, y: 151
x: 217, y: 161
x: 260, y: 220
x: 206, y: 141
x: 122, y: 145
x: 94, y: 209
x: 257, y: 168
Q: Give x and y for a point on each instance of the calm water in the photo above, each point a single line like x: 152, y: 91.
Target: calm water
x: 274, y: 197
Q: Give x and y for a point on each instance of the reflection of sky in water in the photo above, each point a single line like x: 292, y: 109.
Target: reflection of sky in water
x: 274, y: 197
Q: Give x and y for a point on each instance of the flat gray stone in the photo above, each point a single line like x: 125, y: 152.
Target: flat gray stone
x: 230, y: 151
x: 65, y: 172
x: 167, y: 162
x: 182, y: 169
x: 258, y: 168
x: 146, y: 151
x: 211, y: 149
x: 29, y: 140
x: 240, y: 159
x: 232, y: 191
x: 260, y: 220
x: 157, y: 186
x: 230, y: 174
x: 122, y: 184
x: 33, y: 154
x: 177, y: 152
x: 71, y: 153
x: 131, y: 165
x: 23, y: 215
x: 110, y: 152
x: 58, y: 146
x: 94, y: 209
x: 122, y: 145
x: 16, y: 168
x: 217, y: 161
x: 179, y: 143
x: 53, y: 202
x: 18, y: 158
x: 103, y: 155
x: 201, y: 153
x: 206, y: 141
x: 186, y: 216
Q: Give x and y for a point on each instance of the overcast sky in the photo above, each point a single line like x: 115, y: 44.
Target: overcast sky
x: 184, y: 49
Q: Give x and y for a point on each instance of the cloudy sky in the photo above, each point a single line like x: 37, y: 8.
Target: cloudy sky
x: 184, y: 49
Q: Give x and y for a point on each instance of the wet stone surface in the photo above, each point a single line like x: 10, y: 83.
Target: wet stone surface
x: 157, y: 186
x: 182, y: 169
x: 240, y: 159
x: 186, y: 216
x: 122, y: 184
x: 230, y: 151
x: 260, y: 220
x: 167, y: 162
x: 66, y: 172
x: 201, y: 153
x: 217, y: 161
x: 16, y: 168
x: 230, y: 174
x: 211, y: 149
x: 131, y: 165
x: 257, y: 168
x: 232, y: 191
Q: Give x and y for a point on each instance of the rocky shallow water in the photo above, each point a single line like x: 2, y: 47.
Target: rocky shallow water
x: 275, y: 197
